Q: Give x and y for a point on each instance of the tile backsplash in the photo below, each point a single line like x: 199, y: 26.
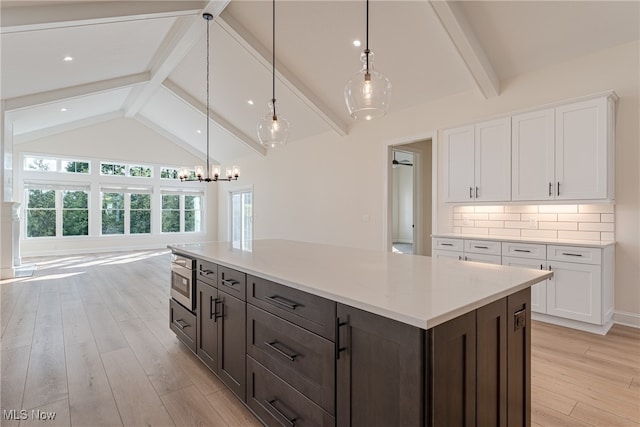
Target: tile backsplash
x: 580, y: 222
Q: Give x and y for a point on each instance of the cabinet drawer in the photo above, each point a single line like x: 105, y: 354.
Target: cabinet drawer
x: 207, y: 272
x: 276, y: 403
x: 484, y: 258
x: 524, y: 250
x: 447, y: 244
x: 233, y: 282
x: 312, y: 312
x: 183, y: 323
x: 303, y: 359
x: 482, y: 247
x: 577, y: 254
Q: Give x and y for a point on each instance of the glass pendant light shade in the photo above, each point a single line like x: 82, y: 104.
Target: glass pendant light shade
x: 368, y: 92
x: 273, y: 130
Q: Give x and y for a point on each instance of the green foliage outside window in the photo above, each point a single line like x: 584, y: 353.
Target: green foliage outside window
x: 143, y: 171
x: 170, y: 213
x: 112, y: 169
x: 75, y: 213
x: 112, y: 213
x: 169, y: 173
x: 192, y: 211
x: 76, y: 167
x: 41, y: 213
x: 140, y: 214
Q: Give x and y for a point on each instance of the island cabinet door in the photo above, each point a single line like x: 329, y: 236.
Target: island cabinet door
x: 207, y: 331
x: 232, y: 323
x: 519, y: 359
x: 452, y: 380
x: 379, y: 371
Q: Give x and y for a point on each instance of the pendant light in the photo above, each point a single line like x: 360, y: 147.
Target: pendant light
x: 273, y: 129
x: 368, y: 92
x: 209, y: 174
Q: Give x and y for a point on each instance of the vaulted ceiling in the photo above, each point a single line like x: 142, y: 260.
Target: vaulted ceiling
x: 146, y: 59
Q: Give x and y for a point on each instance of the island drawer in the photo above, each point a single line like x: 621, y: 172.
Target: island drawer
x: 207, y: 272
x: 233, y: 282
x: 524, y: 250
x: 309, y: 311
x: 578, y: 254
x: 278, y: 404
x: 303, y: 359
x: 183, y: 323
x: 448, y: 244
x: 483, y: 247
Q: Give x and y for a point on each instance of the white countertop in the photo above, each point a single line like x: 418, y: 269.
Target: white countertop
x: 568, y: 242
x: 417, y: 290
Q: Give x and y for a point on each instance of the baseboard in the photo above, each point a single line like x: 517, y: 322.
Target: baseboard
x: 574, y: 324
x: 627, y: 319
x: 88, y: 251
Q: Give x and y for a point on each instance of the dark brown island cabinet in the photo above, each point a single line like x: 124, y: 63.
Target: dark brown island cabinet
x: 297, y: 359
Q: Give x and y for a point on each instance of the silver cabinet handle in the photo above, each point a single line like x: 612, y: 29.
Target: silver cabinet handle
x: 291, y: 422
x: 272, y: 345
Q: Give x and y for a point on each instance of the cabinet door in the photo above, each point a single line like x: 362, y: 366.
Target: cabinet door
x: 453, y: 367
x: 493, y: 161
x: 207, y: 330
x: 538, y: 291
x: 491, y: 364
x: 231, y: 343
x: 379, y: 371
x: 459, y: 164
x: 581, y: 150
x: 519, y: 359
x: 447, y: 254
x: 574, y: 291
x: 532, y: 155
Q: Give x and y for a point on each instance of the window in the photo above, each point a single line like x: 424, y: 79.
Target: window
x: 41, y: 213
x: 74, y: 166
x: 140, y: 213
x: 192, y: 213
x: 75, y: 213
x: 169, y: 173
x: 112, y: 213
x: 112, y: 169
x: 142, y: 171
x: 170, y: 213
x: 241, y: 218
x: 39, y: 164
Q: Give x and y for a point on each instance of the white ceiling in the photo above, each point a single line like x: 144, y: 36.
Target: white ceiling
x: 146, y: 59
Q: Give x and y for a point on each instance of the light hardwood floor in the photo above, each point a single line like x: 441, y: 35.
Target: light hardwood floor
x: 87, y: 337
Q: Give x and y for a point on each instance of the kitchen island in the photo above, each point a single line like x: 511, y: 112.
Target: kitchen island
x: 311, y: 334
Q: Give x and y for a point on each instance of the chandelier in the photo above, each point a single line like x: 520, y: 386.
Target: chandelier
x: 211, y: 173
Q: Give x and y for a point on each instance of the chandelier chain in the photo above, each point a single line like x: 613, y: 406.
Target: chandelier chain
x: 208, y: 25
x: 366, y: 50
x: 273, y: 57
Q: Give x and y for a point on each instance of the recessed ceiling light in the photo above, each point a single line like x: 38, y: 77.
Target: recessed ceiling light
x: 357, y: 43
x: 63, y: 109
x: 198, y: 131
x: 250, y: 102
x: 68, y: 59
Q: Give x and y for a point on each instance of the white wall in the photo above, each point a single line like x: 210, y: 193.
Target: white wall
x: 319, y: 189
x: 124, y: 140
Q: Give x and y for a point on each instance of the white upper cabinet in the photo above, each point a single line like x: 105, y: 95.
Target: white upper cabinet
x: 564, y: 153
x: 581, y: 150
x: 478, y: 162
x: 533, y: 155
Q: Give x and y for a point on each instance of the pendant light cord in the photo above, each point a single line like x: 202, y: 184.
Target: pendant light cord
x: 366, y: 50
x: 273, y: 59
x: 208, y: 17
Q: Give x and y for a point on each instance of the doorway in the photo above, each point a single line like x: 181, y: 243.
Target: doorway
x: 409, y: 197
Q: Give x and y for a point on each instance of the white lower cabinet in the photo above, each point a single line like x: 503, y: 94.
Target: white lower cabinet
x: 580, y: 293
x: 539, y: 291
